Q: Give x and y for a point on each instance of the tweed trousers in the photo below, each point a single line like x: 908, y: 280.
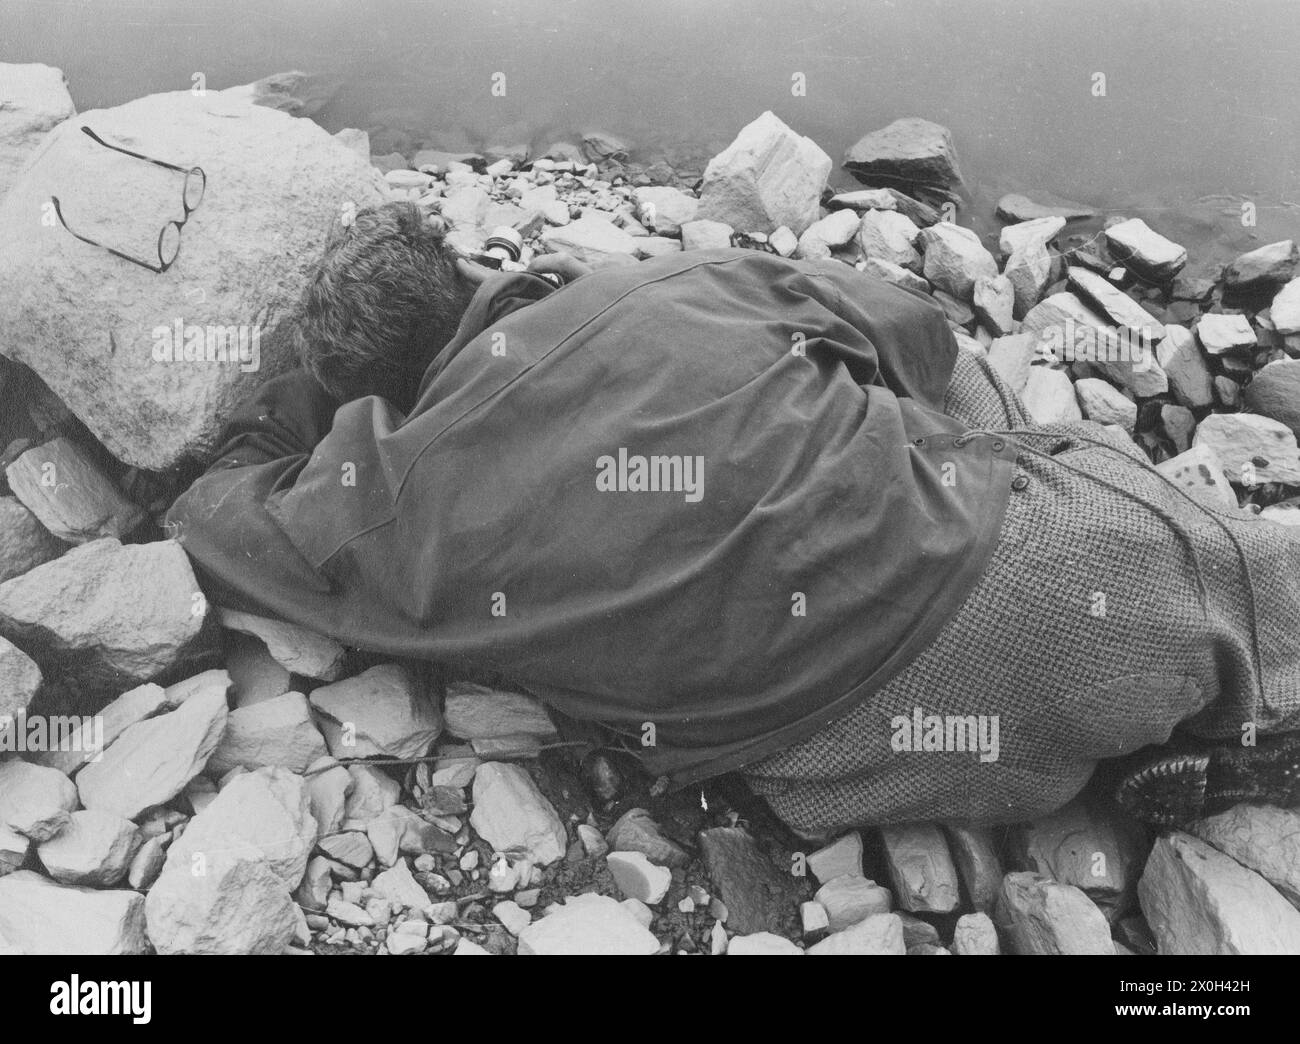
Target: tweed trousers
x: 1112, y: 612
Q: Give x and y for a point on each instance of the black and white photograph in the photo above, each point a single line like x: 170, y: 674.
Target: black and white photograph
x: 656, y: 478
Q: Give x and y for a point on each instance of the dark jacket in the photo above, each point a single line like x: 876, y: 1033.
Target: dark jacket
x: 837, y: 528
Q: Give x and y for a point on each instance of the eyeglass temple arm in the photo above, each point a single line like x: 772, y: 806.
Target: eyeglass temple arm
x: 58, y: 211
x: 127, y: 152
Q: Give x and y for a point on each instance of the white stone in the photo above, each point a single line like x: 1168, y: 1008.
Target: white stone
x: 1042, y: 916
x: 1183, y: 362
x: 955, y: 258
x: 1049, y: 396
x: 885, y: 235
x: 373, y: 792
x: 1199, y: 901
x: 24, y: 542
x: 473, y: 712
x: 850, y: 898
x: 81, y: 503
x: 295, y: 648
x: 152, y: 760
x: 1285, y: 309
x: 1019, y: 235
x: 328, y: 787
x: 783, y: 241
x: 593, y: 241
x: 35, y: 801
x: 921, y: 868
x: 278, y: 731
x: 34, y: 99
x: 41, y: 917
x: 510, y: 813
x: 880, y: 934
x: 767, y: 177
x: 994, y: 299
x: 704, y: 234
x: 1113, y: 304
x: 638, y: 878
x: 975, y: 936
x: 762, y: 944
x: 596, y: 926
x: 835, y: 230
x: 1247, y: 446
x: 94, y: 849
x: 664, y: 209
x: 382, y: 711
x: 398, y: 886
x: 1219, y: 334
x: 1102, y: 402
x: 1197, y: 473
x: 1262, y: 838
x: 512, y: 915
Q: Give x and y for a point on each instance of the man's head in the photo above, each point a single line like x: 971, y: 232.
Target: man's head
x: 383, y: 301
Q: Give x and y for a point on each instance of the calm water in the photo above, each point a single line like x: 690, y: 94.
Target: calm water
x: 1202, y: 96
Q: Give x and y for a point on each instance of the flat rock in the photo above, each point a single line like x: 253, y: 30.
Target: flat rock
x: 850, y: 898
x: 827, y: 234
x: 593, y: 241
x: 398, y: 886
x: 759, y: 896
x: 955, y: 259
x: 24, y: 542
x: 892, y: 273
x: 278, y: 731
x: 1274, y: 392
x: 1102, y: 402
x: 472, y: 711
x: 1042, y: 916
x: 101, y: 331
x: 1246, y: 444
x: 1197, y: 472
x: 593, y: 925
x: 512, y: 815
x: 35, y: 801
x: 636, y: 831
x: 884, y: 235
x: 1184, y: 364
x: 705, y: 234
x: 1071, y: 330
x: 1262, y: 838
x: 135, y: 705
x: 664, y: 209
x: 978, y: 865
x: 1110, y: 302
x: 20, y: 681
x: 94, y: 849
x: 1030, y: 271
x: 1079, y: 847
x: 841, y: 856
x: 1015, y: 207
x: 383, y: 711
x: 295, y: 648
x: 112, y: 614
x: 921, y: 868
x: 762, y: 944
x: 910, y: 150
x: 975, y: 936
x: 36, y: 100
x: 878, y: 935
x: 638, y: 878
x: 1284, y: 312
x: 152, y: 760
x: 1199, y: 901
x: 1220, y: 334
x: 67, y: 490
x: 351, y: 848
x: 767, y: 177
x: 1020, y: 235
x: 1049, y: 396
x: 1144, y: 250
x: 1271, y: 264
x: 656, y: 246
x: 41, y: 917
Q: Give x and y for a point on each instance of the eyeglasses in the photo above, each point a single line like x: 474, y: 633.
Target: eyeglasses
x: 169, y: 239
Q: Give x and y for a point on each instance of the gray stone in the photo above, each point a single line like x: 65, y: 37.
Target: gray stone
x: 1247, y: 445
x: 1112, y: 303
x: 34, y: 99
x: 1219, y: 334
x: 511, y: 814
x: 138, y: 704
x: 830, y: 233
x: 975, y: 936
x: 759, y: 896
x: 35, y: 801
x: 13, y: 850
x: 921, y: 868
x: 1102, y: 402
x: 590, y: 925
x: 843, y: 856
x: 1184, y: 364
x: 910, y: 150
x: 994, y: 298
x: 278, y: 731
x: 20, y: 681
x: 767, y: 177
x: 101, y: 332
x: 472, y: 711
x: 593, y: 241
x: 705, y: 234
x: 977, y: 862
x: 1020, y: 235
x: 1015, y: 207
x: 147, y: 864
x: 295, y: 648
x: 373, y: 791
x: 1274, y: 263
x: 1199, y: 901
x: 41, y: 917
x: 636, y: 831
x: 664, y: 209
x: 1197, y: 472
x: 1042, y: 916
x: 880, y: 934
x: 884, y: 235
x: 94, y: 849
x: 1284, y: 312
x: 358, y: 141
x: 328, y: 786
x: 850, y: 898
x: 398, y: 886
x: 1180, y: 425
x: 74, y: 500
x: 955, y: 259
x: 1262, y: 838
x: 113, y: 614
x: 896, y: 274
x: 762, y: 944
x: 1011, y: 357
x: 24, y: 542
x: 1049, y: 396
x: 638, y: 878
x: 383, y: 711
x: 1145, y: 251
x: 1030, y: 271
x: 1275, y: 393
x: 152, y: 760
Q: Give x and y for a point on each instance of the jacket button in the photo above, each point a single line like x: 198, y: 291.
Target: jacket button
x: 1019, y: 482
x: 997, y: 446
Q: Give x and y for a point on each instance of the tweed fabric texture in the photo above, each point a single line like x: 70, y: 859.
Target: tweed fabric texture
x: 1088, y: 637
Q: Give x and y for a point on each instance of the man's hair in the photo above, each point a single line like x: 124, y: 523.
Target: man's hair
x: 383, y: 301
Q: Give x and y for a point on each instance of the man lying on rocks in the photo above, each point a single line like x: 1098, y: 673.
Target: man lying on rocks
x: 756, y: 514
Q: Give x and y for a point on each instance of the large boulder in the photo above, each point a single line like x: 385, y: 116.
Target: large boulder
x: 768, y: 177
x: 111, y: 614
x: 34, y: 99
x: 910, y: 150
x: 41, y: 917
x: 63, y: 487
x: 103, y: 332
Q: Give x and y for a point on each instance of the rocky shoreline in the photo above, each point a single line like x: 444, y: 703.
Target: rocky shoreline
x: 240, y: 785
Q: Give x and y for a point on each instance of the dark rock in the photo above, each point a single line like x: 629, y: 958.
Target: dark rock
x: 1275, y: 393
x: 1015, y: 207
x: 910, y: 150
x: 759, y: 896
